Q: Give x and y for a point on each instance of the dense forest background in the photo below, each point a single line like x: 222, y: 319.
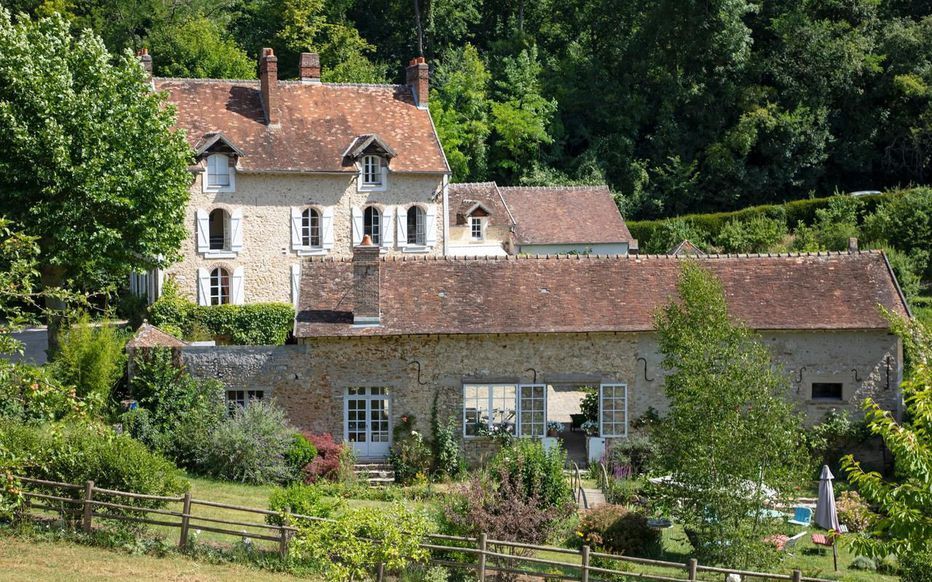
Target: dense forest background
x: 680, y: 105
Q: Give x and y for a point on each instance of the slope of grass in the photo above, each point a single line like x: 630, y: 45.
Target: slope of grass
x: 30, y: 560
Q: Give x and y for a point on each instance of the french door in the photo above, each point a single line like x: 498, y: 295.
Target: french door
x: 367, y: 421
x: 532, y: 410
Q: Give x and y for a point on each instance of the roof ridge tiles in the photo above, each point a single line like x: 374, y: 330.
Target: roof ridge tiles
x: 580, y: 187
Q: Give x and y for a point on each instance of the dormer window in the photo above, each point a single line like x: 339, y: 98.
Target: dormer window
x: 372, y: 171
x: 476, y: 228
x: 219, y: 176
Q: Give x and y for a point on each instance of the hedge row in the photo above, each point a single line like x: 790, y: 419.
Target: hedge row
x: 798, y: 211
x: 252, y: 324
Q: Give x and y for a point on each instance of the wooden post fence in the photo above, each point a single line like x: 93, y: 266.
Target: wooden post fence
x: 283, y: 540
x: 482, y: 547
x: 584, y: 573
x: 88, y: 506
x: 797, y: 576
x: 691, y: 566
x: 185, y: 520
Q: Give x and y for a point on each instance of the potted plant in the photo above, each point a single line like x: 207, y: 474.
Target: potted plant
x: 595, y: 445
x: 591, y: 428
x: 554, y: 428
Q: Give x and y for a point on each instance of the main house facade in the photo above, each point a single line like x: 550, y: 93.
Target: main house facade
x: 287, y: 170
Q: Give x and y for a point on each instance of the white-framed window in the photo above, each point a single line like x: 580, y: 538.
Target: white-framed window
x: 416, y: 226
x: 372, y: 177
x: 220, y: 177
x: 242, y: 398
x: 310, y: 228
x: 219, y: 286
x: 372, y: 224
x: 532, y: 410
x: 476, y: 228
x: 613, y: 410
x: 219, y: 232
x: 489, y: 407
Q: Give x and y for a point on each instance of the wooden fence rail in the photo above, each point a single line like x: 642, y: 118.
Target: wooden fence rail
x: 483, y: 555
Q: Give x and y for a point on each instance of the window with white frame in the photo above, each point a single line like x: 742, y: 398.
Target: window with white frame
x: 372, y: 171
x: 372, y: 224
x: 417, y: 226
x: 532, y: 410
x: 242, y: 398
x: 310, y: 228
x: 613, y: 410
x: 219, y: 286
x: 489, y: 408
x: 219, y: 227
x: 219, y: 177
x: 475, y: 228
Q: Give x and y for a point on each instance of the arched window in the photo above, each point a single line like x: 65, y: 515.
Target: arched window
x: 310, y: 228
x: 372, y: 224
x: 219, y: 230
x: 371, y: 171
x: 417, y: 226
x: 218, y: 172
x: 219, y: 286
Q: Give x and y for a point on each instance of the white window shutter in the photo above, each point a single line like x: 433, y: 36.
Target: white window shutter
x: 295, y: 283
x: 326, y: 228
x: 236, y: 230
x: 430, y: 229
x: 357, y: 226
x: 402, y: 226
x: 203, y: 230
x: 388, y: 226
x: 236, y: 287
x: 295, y: 228
x: 203, y: 286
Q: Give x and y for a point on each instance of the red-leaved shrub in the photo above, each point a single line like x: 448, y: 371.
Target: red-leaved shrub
x: 326, y: 465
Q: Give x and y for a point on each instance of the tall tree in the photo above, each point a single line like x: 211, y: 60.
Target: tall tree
x: 199, y: 48
x: 91, y: 164
x: 460, y: 107
x: 730, y: 433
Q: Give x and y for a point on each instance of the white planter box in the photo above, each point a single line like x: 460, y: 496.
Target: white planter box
x: 595, y: 448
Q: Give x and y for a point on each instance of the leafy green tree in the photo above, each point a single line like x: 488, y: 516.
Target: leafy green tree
x: 904, y: 221
x: 760, y: 234
x: 730, y: 432
x: 520, y: 115
x: 199, y: 48
x: 905, y: 503
x: 91, y: 165
x: 460, y: 105
x: 90, y: 358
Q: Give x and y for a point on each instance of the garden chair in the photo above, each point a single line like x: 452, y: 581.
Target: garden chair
x: 801, y: 516
x: 791, y: 542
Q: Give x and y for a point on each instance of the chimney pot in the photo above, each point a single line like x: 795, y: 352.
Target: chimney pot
x: 268, y: 84
x: 309, y: 67
x: 145, y: 59
x: 367, y: 265
x: 417, y: 76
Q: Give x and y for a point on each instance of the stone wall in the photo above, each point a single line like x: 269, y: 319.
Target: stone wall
x: 310, y: 380
x: 266, y: 201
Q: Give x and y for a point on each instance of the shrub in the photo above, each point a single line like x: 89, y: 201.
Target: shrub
x: 251, y: 446
x: 177, y: 414
x: 90, y: 358
x: 904, y: 221
x: 343, y: 550
x: 300, y: 453
x: 77, y: 453
x: 251, y: 324
x: 589, y: 406
x: 836, y: 433
x: 618, y: 530
x: 302, y: 500
x: 30, y: 394
x: 863, y: 563
x: 448, y: 460
x: 908, y: 270
x: 757, y: 235
x: 854, y: 512
x: 636, y: 451
x: 622, y: 491
x: 327, y: 463
x: 670, y: 233
x: 914, y: 567
x: 410, y: 456
x: 538, y: 472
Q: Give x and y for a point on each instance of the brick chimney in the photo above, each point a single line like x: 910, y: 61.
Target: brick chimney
x: 418, y: 78
x: 309, y: 67
x: 852, y: 244
x: 268, y: 82
x: 366, y: 277
x: 145, y: 59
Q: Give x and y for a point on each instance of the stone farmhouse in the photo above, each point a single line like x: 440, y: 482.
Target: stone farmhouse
x: 292, y: 169
x: 493, y: 306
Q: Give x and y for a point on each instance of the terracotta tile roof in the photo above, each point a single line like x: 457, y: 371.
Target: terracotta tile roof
x: 687, y: 247
x: 318, y: 122
x: 149, y: 336
x: 589, y: 293
x: 565, y: 215
x: 464, y: 197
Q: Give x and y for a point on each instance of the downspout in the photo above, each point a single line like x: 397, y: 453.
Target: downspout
x: 446, y: 215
